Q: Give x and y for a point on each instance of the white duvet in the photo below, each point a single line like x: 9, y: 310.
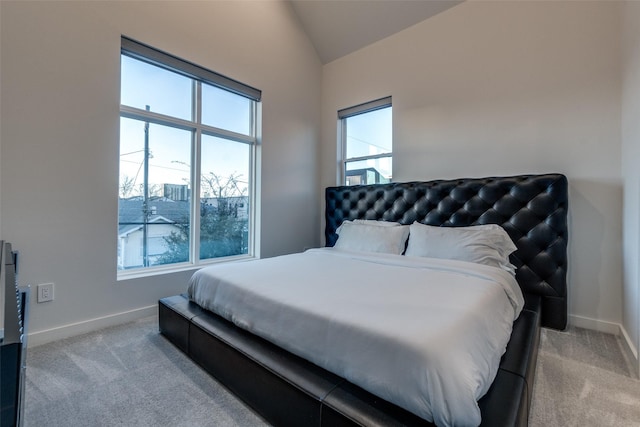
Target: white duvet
x: 426, y: 334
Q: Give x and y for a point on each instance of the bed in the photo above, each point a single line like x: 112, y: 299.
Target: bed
x: 287, y: 389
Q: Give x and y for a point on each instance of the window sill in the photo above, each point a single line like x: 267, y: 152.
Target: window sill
x: 177, y: 268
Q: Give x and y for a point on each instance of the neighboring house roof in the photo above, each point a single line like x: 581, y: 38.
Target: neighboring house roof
x: 162, y: 210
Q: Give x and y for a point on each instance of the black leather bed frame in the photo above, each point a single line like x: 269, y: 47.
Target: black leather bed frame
x: 289, y: 391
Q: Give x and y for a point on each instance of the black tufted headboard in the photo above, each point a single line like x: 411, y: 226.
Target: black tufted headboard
x: 531, y: 208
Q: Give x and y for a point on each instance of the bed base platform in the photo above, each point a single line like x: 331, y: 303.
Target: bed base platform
x: 289, y: 391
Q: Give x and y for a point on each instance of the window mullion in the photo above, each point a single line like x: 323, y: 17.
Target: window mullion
x: 252, y: 178
x: 371, y: 157
x: 155, y: 118
x: 226, y: 134
x: 196, y: 171
x: 343, y: 147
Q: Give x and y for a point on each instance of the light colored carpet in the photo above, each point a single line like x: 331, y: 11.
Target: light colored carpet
x: 130, y: 375
x: 584, y: 378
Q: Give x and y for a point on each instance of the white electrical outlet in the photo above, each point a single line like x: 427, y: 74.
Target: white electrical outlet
x: 45, y: 292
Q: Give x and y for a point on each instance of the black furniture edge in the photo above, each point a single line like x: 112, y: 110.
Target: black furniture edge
x: 287, y: 390
x: 13, y: 339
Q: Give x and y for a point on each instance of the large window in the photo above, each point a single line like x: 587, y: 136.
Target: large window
x: 367, y: 142
x: 188, y: 139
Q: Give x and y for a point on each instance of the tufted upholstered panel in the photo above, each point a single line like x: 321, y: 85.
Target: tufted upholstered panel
x: 531, y: 208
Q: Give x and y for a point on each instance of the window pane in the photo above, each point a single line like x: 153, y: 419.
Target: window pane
x: 226, y: 110
x: 369, y: 133
x: 224, y: 203
x: 371, y: 171
x: 163, y: 91
x: 153, y: 230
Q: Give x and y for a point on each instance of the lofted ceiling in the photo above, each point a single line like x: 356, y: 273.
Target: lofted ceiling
x: 339, y: 27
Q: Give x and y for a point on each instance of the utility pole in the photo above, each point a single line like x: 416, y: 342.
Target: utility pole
x: 145, y: 200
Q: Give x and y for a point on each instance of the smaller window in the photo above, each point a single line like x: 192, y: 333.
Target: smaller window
x: 367, y: 147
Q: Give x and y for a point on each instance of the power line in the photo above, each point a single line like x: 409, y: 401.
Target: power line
x: 369, y: 143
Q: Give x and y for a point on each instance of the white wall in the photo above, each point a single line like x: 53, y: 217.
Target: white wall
x: 59, y: 138
x: 1, y: 290
x: 631, y: 170
x: 500, y: 88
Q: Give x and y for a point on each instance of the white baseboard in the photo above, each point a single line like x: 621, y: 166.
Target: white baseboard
x: 631, y: 352
x: 49, y: 335
x: 594, y: 324
x: 608, y: 327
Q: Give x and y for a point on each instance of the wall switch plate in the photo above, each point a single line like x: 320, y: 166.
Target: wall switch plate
x: 45, y: 292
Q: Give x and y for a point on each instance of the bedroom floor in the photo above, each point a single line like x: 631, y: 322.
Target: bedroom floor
x: 130, y: 375
x: 584, y: 378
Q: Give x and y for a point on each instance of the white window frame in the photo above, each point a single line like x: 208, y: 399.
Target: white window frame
x: 199, y: 77
x: 356, y: 110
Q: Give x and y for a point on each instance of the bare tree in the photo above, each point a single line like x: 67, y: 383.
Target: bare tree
x: 220, y: 187
x: 126, y: 186
x: 223, y: 232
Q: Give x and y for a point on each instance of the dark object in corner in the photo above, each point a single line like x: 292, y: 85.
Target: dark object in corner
x: 13, y: 340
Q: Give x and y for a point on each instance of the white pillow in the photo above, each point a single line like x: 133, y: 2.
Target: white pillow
x: 485, y: 244
x: 379, y: 223
x: 365, y: 237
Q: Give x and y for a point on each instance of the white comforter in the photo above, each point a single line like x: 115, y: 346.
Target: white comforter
x: 423, y: 333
